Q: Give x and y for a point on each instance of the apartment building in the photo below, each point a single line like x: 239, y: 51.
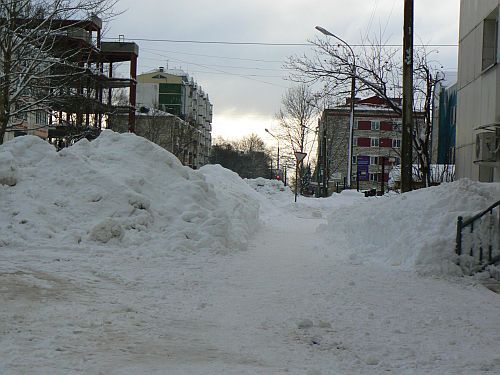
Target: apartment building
x: 376, y: 144
x: 478, y: 101
x: 175, y: 92
x: 444, y: 121
x: 81, y: 106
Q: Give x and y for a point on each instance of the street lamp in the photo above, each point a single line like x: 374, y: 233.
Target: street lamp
x: 278, y: 158
x: 353, y: 89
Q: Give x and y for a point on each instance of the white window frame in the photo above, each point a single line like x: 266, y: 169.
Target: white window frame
x: 354, y: 159
x: 375, y: 125
x: 374, y: 177
x: 374, y: 142
x: 354, y: 141
x: 396, y: 143
x: 373, y: 160
x: 397, y: 126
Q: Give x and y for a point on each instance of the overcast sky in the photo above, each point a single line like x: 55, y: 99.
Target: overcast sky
x: 245, y: 83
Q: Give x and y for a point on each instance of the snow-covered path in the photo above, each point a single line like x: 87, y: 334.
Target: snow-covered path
x: 364, y: 319
x: 290, y: 304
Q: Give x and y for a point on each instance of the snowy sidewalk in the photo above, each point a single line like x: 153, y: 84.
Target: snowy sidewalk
x: 290, y: 304
x: 365, y: 319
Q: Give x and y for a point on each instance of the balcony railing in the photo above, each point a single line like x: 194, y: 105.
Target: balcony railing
x: 478, y: 240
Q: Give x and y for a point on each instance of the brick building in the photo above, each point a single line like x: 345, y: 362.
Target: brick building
x: 376, y: 144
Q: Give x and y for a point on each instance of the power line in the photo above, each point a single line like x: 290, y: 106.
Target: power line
x: 216, y: 65
x: 213, y: 56
x: 267, y: 44
x: 215, y: 42
x: 246, y: 76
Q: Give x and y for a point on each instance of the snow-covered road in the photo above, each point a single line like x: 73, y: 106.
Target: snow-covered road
x: 286, y: 305
x: 289, y: 306
x: 138, y: 265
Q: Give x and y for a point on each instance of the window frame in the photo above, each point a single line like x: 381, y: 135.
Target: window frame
x: 490, y: 54
x: 396, y: 143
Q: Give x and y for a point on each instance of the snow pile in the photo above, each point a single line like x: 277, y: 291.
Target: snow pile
x: 237, y: 197
x: 272, y: 188
x: 118, y: 190
x: 415, y: 230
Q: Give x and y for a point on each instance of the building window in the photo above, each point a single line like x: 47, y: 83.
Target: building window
x: 396, y: 143
x: 373, y: 160
x: 354, y: 159
x: 373, y: 142
x: 354, y: 141
x: 396, y: 126
x: 375, y: 125
x: 373, y: 176
x: 41, y: 118
x: 355, y: 125
x: 490, y: 40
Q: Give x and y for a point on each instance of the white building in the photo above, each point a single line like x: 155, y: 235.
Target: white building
x: 478, y: 116
x: 175, y: 92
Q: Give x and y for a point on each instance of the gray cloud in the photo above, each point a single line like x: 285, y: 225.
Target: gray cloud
x: 234, y: 84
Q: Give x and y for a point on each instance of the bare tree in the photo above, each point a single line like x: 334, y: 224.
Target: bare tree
x: 35, y: 67
x: 295, y: 118
x: 295, y: 122
x: 378, y: 71
x: 248, y: 156
x: 251, y: 143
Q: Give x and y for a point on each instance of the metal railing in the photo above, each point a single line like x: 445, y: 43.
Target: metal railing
x: 478, y: 240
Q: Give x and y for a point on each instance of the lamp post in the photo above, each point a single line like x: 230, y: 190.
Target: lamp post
x: 278, y: 157
x: 353, y: 97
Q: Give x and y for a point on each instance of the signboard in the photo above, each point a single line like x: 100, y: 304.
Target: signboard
x: 363, y: 167
x: 300, y: 156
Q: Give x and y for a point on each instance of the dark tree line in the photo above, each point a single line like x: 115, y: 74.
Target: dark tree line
x: 247, y: 157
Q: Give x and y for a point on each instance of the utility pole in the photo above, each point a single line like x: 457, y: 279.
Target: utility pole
x: 406, y: 146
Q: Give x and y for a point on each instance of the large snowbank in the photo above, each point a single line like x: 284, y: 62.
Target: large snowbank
x: 415, y: 230
x: 119, y: 190
x: 270, y: 190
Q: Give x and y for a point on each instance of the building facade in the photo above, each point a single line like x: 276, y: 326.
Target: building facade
x: 376, y: 145
x: 175, y: 92
x: 444, y: 121
x: 478, y: 101
x: 79, y: 106
x: 166, y: 130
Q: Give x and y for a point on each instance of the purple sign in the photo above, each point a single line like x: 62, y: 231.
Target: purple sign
x: 363, y: 160
x: 363, y: 166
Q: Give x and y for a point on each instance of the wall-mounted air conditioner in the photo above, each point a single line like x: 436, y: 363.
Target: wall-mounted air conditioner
x: 485, y: 147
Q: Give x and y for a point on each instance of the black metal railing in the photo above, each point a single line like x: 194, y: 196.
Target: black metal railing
x: 478, y: 240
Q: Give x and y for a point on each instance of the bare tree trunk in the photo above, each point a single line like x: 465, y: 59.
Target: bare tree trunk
x: 4, y: 119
